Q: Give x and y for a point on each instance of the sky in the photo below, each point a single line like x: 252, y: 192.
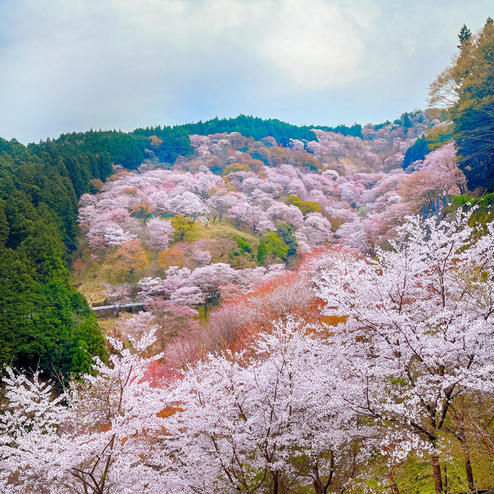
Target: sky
x: 70, y: 65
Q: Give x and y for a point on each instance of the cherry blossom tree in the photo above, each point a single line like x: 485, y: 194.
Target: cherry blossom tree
x: 188, y: 295
x: 158, y: 234
x: 316, y: 230
x: 115, y: 235
x: 157, y: 200
x: 253, y: 216
x: 419, y: 330
x: 117, y: 295
x: 150, y: 286
x: 136, y: 326
x: 287, y: 214
x: 173, y: 320
x: 112, y: 234
x: 91, y: 439
x: 201, y: 256
x: 211, y: 280
x: 267, y: 422
x: 187, y: 204
x: 219, y: 204
x: 436, y: 177
x: 202, y: 183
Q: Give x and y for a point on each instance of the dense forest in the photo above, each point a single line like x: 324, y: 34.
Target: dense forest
x: 465, y: 89
x: 315, y: 303
x: 45, y: 322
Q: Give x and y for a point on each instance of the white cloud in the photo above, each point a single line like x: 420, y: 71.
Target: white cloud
x: 317, y: 45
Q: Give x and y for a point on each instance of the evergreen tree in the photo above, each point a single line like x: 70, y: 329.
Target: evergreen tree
x: 464, y: 35
x: 285, y: 233
x: 417, y: 151
x: 44, y: 322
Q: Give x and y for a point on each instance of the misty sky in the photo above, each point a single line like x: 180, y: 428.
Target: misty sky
x: 78, y: 64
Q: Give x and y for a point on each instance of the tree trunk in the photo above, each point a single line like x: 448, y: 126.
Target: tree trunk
x: 318, y: 487
x: 466, y: 454
x: 436, y: 473
x: 276, y: 482
x: 393, y: 484
x: 321, y: 487
x: 469, y: 472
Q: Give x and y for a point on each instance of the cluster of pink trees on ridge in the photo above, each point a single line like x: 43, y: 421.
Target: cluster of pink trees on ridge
x: 360, y: 206
x: 372, y: 198
x: 354, y: 194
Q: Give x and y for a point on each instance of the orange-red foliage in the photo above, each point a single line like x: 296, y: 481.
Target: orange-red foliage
x: 235, y: 325
x: 159, y: 374
x: 97, y: 183
x: 155, y: 141
x: 171, y: 257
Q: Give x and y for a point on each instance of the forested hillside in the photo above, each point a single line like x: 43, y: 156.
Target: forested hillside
x: 41, y: 186
x: 45, y: 322
x: 311, y: 307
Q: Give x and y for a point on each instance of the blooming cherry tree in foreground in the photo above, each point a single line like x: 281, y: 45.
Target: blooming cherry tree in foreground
x: 265, y: 422
x: 419, y: 331
x: 91, y: 439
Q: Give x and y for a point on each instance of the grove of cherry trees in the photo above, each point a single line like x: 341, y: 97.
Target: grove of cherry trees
x: 314, y: 322
x: 338, y: 190
x: 380, y: 369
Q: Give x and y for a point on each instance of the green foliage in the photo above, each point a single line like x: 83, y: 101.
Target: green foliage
x: 122, y: 148
x: 262, y: 252
x: 482, y: 203
x: 250, y: 126
x: 355, y: 130
x: 87, y: 339
x: 416, y: 151
x: 305, y: 206
x: 381, y: 125
x: 175, y: 143
x: 285, y: 233
x: 404, y: 120
x: 182, y: 224
x: 466, y: 89
x: 484, y: 207
x: 272, y: 244
x: 464, y: 35
x: 439, y: 135
x: 4, y: 225
x: 473, y: 115
x: 436, y: 136
x: 244, y: 245
x: 44, y: 322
